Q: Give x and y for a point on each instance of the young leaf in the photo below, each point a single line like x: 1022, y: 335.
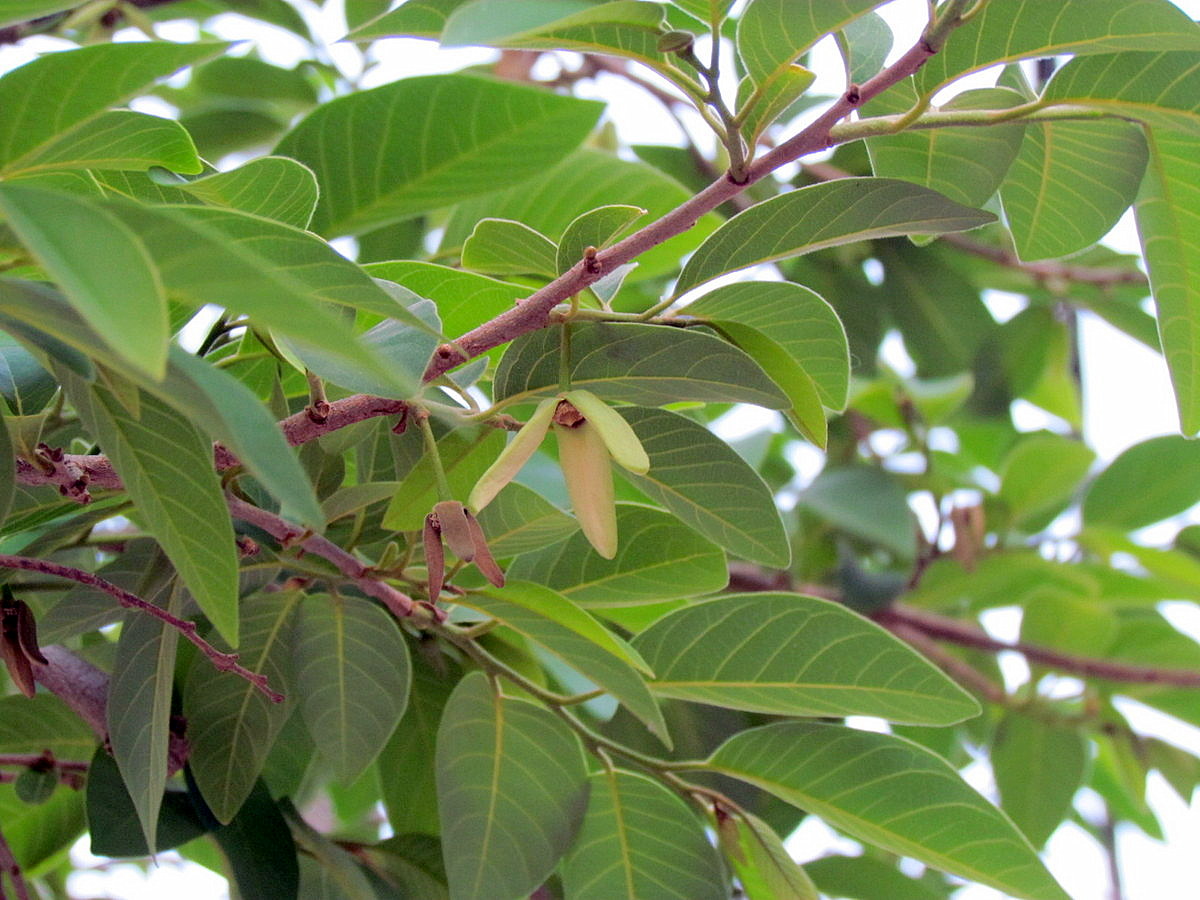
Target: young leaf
x: 799, y: 656
x: 762, y: 864
x: 231, y: 725
x: 273, y: 187
x: 1038, y: 768
x: 865, y: 878
x: 658, y: 559
x: 892, y: 793
x: 463, y: 299
x: 596, y: 228
x: 505, y: 247
x: 702, y: 481
x: 371, y: 174
x: 119, y: 139
x: 644, y: 364
x: 640, y: 840
x: 570, y: 633
x: 57, y: 93
x: 774, y: 33
x: 352, y: 673
x: 511, y: 790
x: 825, y: 215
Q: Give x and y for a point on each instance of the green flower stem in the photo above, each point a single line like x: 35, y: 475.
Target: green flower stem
x: 564, y: 352
x: 435, y: 459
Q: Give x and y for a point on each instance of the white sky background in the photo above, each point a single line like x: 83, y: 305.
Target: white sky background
x: 1127, y: 398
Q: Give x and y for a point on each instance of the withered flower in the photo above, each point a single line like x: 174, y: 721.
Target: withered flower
x: 18, y: 641
x: 589, y: 433
x: 453, y: 523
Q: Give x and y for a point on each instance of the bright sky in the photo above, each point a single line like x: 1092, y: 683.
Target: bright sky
x: 1127, y: 398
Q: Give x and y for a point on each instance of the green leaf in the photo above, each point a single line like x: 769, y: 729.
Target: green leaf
x: 24, y: 384
x: 520, y: 520
x: 865, y: 44
x: 659, y: 558
x: 643, y: 364
x: 43, y: 722
x: 867, y: 502
x: 586, y: 179
x: 799, y: 656
x: 274, y: 187
x: 166, y: 465
x: 795, y: 318
x: 8, y: 477
x: 139, y: 710
x: 892, y: 793
x: 640, y: 840
x: 762, y: 107
x: 595, y: 228
x: 1038, y: 768
x: 1170, y: 238
x: 122, y: 140
x: 865, y: 878
x: 772, y: 34
x: 711, y: 489
x: 965, y: 164
x: 488, y: 134
x: 624, y: 28
x: 231, y: 724
x: 1164, y: 89
x: 554, y: 622
x: 37, y: 834
x: 824, y: 215
x: 1147, y: 483
x: 414, y: 18
x: 505, y: 247
x: 47, y: 99
x: 762, y: 864
x: 1070, y: 184
x: 411, y: 801
x: 102, y: 265
x: 1007, y: 30
x: 260, y: 849
x: 352, y: 673
x: 511, y: 791
x: 465, y: 456
x: 1040, y: 476
x: 17, y: 12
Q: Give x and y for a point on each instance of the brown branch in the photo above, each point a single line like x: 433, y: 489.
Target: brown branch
x: 400, y: 604
x: 9, y: 866
x: 960, y: 670
x: 77, y: 683
x: 534, y: 312
x: 14, y: 33
x: 946, y: 629
x: 225, y: 662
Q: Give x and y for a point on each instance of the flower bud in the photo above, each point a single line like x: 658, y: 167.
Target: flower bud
x: 585, y: 463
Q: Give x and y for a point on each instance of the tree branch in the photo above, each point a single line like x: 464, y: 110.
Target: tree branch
x: 946, y: 629
x: 226, y: 662
x: 400, y: 604
x: 9, y: 866
x: 14, y: 33
x: 960, y: 670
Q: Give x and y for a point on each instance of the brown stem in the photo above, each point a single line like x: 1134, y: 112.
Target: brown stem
x: 946, y: 629
x: 77, y: 683
x: 400, y: 604
x: 47, y: 759
x: 961, y: 671
x: 13, y: 33
x: 9, y: 866
x: 226, y: 662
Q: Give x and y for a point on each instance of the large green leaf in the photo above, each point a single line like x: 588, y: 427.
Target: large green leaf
x: 43, y: 722
x: 645, y: 364
x: 463, y: 136
x: 586, y: 179
x: 352, y: 672
x: 166, y: 465
x: 47, y: 99
x: 1070, y: 184
x: 414, y: 18
x: 1006, y: 30
x: 659, y: 559
x: 704, y: 482
x: 596, y: 228
x: 520, y: 520
x: 892, y: 793
x: 259, y: 849
x: 1170, y: 236
x: 139, y: 711
x: 505, y: 247
x: 554, y: 622
x: 511, y: 790
x: 1147, y: 483
x: 36, y: 834
x: 119, y: 139
x: 274, y: 187
x: 640, y: 840
x: 966, y: 164
x: 1038, y: 768
x: 231, y: 724
x: 865, y: 878
x: 1161, y: 89
x: 101, y: 264
x: 797, y: 319
x: 799, y: 656
x: 772, y: 34
x: 825, y: 215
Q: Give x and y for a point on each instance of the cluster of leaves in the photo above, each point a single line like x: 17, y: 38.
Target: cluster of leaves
x: 649, y: 717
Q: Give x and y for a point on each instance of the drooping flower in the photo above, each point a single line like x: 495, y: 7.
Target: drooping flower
x: 18, y: 642
x: 590, y: 434
x: 454, y: 524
